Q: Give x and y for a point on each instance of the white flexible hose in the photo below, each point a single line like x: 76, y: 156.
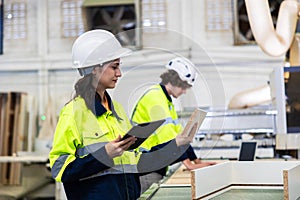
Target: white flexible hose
x: 251, y: 97
x: 273, y: 42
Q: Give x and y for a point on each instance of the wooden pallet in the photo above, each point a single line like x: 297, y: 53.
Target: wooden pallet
x: 13, y: 134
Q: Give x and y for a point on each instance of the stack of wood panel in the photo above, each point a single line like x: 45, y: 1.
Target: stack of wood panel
x: 13, y: 134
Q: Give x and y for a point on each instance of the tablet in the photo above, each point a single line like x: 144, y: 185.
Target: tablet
x: 142, y: 132
x: 197, y: 116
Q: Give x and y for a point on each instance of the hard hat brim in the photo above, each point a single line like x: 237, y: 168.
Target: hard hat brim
x: 122, y: 52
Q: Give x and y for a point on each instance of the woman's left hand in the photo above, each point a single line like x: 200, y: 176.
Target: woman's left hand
x: 117, y: 147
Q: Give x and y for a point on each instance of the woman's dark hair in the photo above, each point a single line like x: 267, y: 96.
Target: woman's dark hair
x: 85, y: 89
x: 171, y: 76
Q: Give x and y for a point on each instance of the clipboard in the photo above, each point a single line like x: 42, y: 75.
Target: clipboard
x: 197, y: 116
x: 142, y: 132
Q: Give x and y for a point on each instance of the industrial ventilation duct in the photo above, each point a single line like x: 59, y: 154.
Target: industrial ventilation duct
x: 121, y: 17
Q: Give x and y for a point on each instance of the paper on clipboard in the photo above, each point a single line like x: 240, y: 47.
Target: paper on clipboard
x: 198, y: 117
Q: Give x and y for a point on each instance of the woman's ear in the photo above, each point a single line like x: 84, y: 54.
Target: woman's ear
x: 94, y: 71
x: 98, y: 67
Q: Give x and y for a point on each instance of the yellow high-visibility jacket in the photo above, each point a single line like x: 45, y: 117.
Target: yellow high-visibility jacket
x: 79, y: 159
x: 80, y: 134
x: 156, y: 104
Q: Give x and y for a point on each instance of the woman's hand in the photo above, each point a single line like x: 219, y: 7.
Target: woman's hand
x: 117, y: 147
x: 186, y: 138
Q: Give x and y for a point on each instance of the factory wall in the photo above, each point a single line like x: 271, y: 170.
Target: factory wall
x: 41, y: 64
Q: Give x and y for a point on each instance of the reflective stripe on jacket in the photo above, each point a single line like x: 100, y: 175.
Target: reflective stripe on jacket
x: 79, y: 141
x: 156, y: 104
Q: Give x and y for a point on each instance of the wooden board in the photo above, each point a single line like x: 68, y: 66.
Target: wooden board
x: 6, y: 135
x: 2, y: 114
x: 209, y: 180
x: 14, y: 167
x: 196, y: 118
x: 24, y: 159
x: 22, y: 124
x: 20, y: 135
x: 291, y: 179
x: 31, y: 111
x: 180, y: 177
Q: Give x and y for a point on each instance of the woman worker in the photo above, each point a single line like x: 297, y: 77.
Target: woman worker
x: 88, y: 155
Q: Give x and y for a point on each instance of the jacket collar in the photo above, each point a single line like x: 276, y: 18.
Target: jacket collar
x: 100, y: 109
x: 166, y: 93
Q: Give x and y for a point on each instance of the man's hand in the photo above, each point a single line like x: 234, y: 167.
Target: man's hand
x: 117, y: 147
x: 186, y: 138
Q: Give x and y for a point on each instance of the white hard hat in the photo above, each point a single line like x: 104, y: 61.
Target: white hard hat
x: 96, y: 47
x: 185, y: 69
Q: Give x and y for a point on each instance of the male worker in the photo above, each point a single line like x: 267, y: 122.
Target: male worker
x: 156, y: 103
